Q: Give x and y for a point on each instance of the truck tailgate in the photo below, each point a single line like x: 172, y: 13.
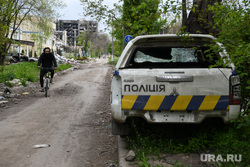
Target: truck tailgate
x: 175, y: 89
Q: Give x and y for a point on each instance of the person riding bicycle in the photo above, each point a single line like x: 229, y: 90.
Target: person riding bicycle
x: 47, y: 59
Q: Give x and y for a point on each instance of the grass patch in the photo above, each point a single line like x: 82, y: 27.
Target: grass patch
x: 84, y: 58
x: 8, y: 83
x: 63, y: 67
x: 213, y: 137
x: 26, y: 71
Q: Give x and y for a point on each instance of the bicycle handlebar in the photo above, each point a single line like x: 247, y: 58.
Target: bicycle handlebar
x: 48, y: 68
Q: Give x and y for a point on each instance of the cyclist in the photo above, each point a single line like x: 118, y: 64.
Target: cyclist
x: 47, y: 59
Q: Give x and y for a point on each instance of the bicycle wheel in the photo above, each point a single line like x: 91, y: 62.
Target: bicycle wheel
x: 46, y: 88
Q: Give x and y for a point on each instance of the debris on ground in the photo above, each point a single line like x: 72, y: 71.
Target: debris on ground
x: 7, y: 91
x: 41, y: 146
x: 130, y: 156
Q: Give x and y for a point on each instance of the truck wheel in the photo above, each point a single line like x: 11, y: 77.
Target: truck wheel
x: 119, y: 129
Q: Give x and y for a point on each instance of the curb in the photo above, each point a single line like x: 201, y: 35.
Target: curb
x: 122, y: 152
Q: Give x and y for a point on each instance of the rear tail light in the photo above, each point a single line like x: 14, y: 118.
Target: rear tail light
x: 234, y: 91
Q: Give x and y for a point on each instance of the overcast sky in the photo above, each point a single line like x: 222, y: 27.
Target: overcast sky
x: 74, y: 10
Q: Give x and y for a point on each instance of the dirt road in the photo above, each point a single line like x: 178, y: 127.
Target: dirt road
x: 74, y: 121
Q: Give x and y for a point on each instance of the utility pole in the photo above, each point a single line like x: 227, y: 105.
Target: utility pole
x: 123, y: 37
x: 19, y: 36
x: 74, y: 37
x: 112, y: 57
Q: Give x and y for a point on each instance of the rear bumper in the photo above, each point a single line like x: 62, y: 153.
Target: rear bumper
x: 174, y: 116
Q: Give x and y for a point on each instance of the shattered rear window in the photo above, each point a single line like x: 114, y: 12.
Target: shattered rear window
x: 169, y: 57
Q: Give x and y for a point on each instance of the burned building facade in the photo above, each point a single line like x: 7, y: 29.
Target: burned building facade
x: 75, y: 28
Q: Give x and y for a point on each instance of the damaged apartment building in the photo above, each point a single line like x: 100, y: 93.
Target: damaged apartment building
x: 74, y: 28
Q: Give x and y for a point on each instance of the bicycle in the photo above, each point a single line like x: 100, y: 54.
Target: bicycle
x: 47, y: 79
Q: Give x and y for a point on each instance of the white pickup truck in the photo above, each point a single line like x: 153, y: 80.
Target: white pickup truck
x: 168, y: 79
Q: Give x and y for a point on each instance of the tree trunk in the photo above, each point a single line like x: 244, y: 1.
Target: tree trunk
x: 184, y: 12
x: 200, y: 20
x: 3, y: 52
x: 85, y: 46
x: 1, y: 59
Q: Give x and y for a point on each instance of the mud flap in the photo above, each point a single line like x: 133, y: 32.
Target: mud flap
x: 119, y: 129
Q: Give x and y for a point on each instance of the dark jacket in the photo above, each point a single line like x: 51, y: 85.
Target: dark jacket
x: 47, y: 60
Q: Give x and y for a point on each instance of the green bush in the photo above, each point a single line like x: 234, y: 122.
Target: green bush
x: 232, y: 21
x: 114, y: 62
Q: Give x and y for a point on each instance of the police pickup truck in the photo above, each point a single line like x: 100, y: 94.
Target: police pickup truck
x: 169, y: 79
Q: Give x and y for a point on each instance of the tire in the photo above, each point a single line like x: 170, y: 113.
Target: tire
x: 46, y: 88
